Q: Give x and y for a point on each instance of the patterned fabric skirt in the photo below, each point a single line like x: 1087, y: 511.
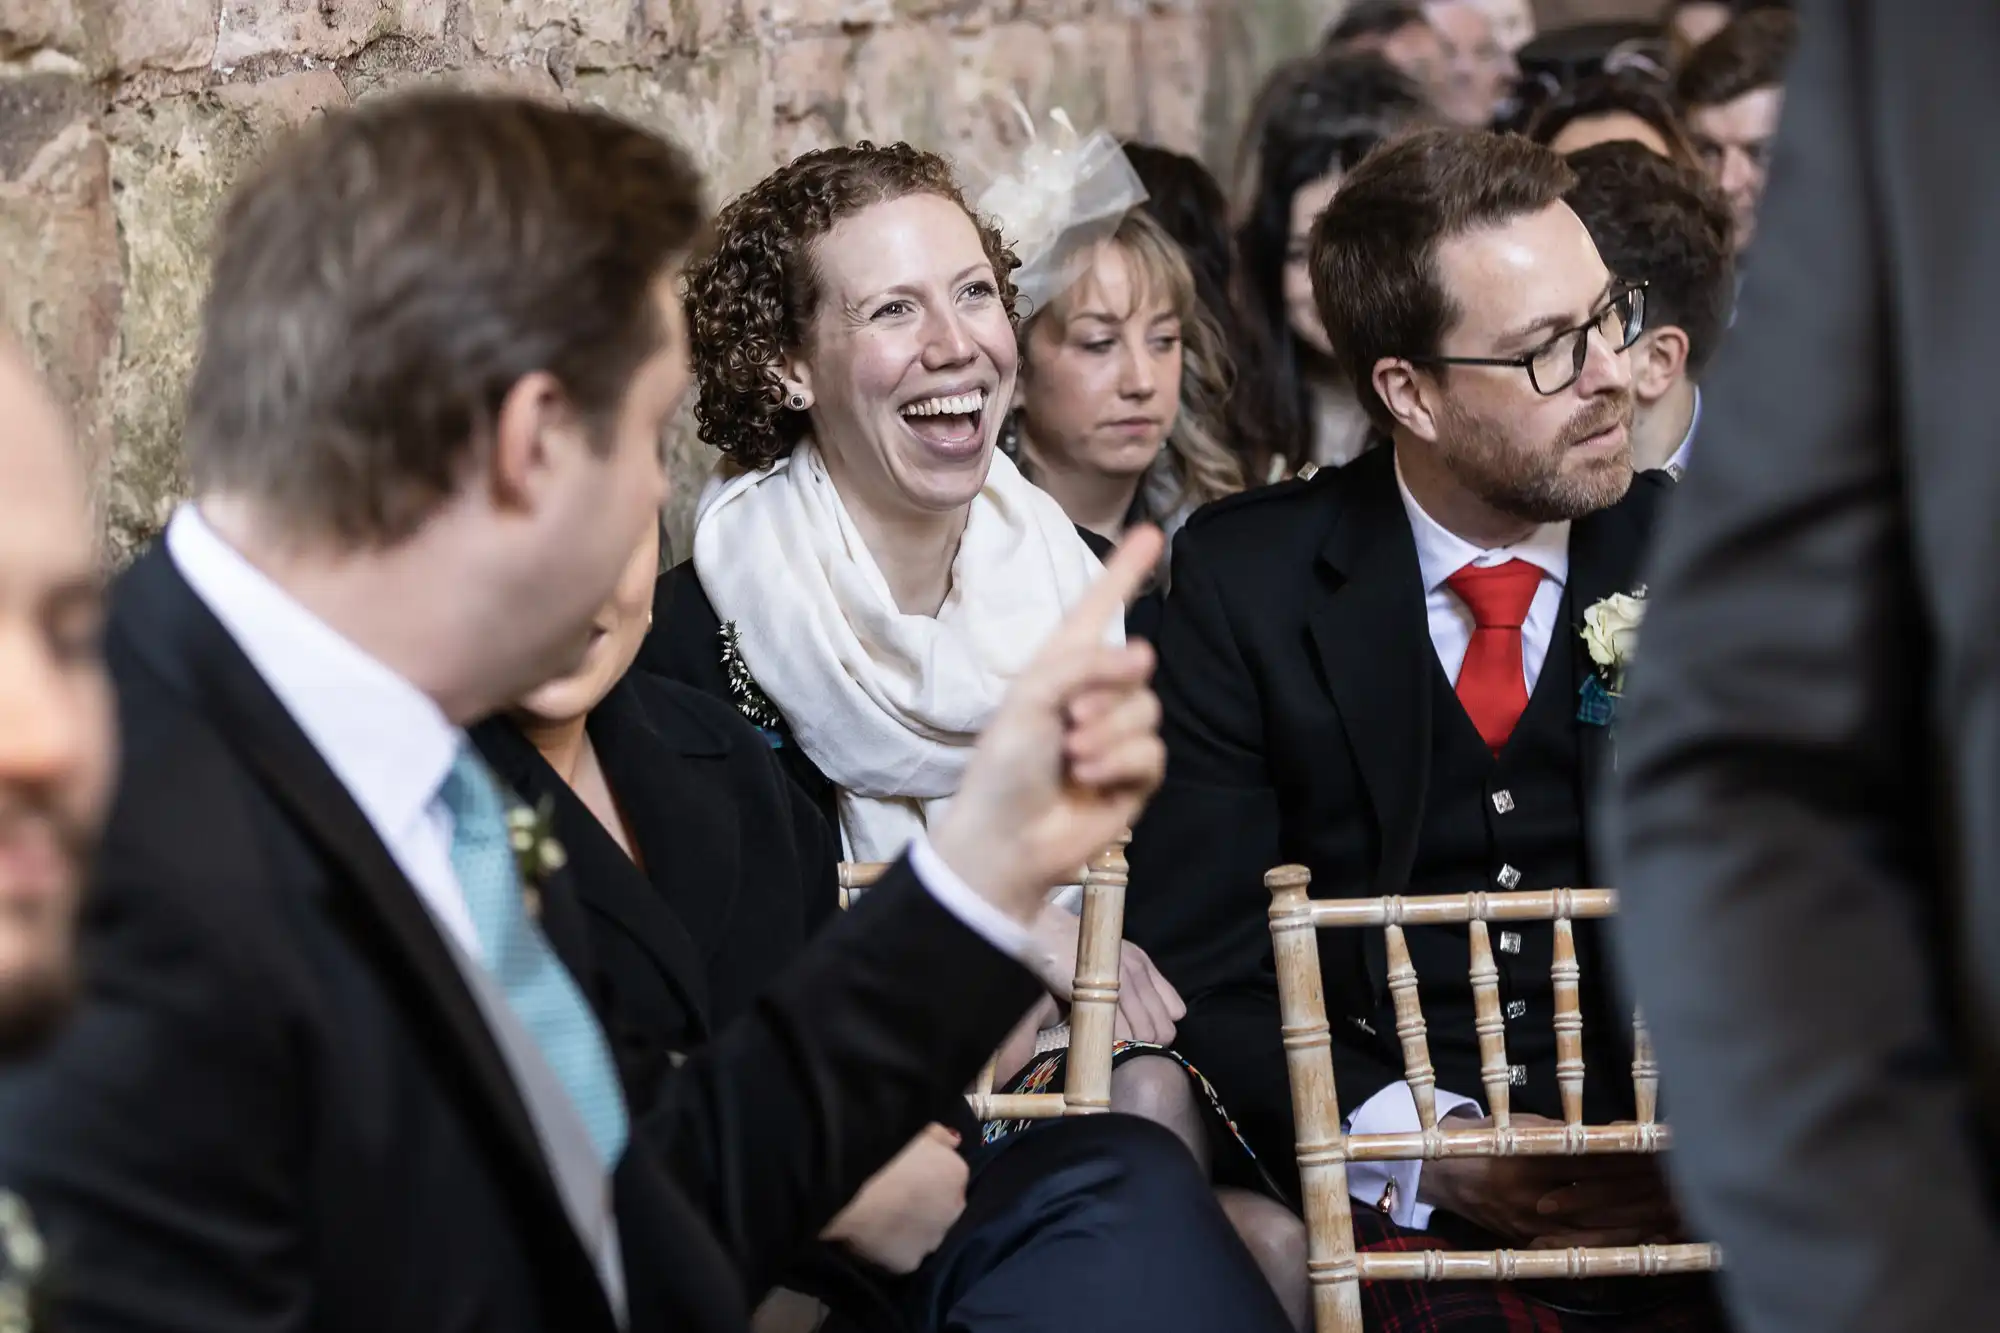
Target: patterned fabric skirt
x: 1235, y: 1161
x: 1681, y: 1304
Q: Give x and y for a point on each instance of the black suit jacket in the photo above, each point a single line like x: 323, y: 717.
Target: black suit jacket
x: 770, y: 1130
x: 1813, y: 755
x: 1296, y: 670
x: 279, y: 1106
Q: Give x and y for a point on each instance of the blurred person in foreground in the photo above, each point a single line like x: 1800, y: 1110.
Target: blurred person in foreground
x: 326, y: 1069
x: 1810, y: 854
x: 57, y: 749
x: 57, y: 755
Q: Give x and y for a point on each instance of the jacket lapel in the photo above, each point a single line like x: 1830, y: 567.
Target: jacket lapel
x: 168, y: 626
x: 1605, y: 550
x: 1372, y: 636
x: 690, y: 838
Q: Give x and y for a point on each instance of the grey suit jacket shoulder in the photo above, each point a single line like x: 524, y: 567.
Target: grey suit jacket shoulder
x: 1811, y: 757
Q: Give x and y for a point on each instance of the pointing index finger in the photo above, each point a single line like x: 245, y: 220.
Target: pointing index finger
x: 1125, y: 573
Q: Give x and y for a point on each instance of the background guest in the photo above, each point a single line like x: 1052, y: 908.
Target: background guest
x: 1396, y: 30
x: 1689, y: 23
x: 1332, y: 116
x: 1609, y: 108
x: 1122, y: 380
x: 1188, y: 202
x: 1513, y: 22
x: 1732, y: 90
x: 1665, y: 225
x: 1478, y: 73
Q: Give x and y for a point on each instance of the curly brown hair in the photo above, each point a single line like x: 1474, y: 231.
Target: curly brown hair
x: 752, y: 297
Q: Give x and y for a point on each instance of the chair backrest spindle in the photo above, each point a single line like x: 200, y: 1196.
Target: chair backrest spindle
x: 1563, y: 975
x: 1410, y: 1029
x: 1488, y: 1023
x: 1094, y: 999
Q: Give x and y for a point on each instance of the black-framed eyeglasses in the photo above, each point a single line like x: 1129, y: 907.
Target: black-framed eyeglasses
x: 1556, y: 364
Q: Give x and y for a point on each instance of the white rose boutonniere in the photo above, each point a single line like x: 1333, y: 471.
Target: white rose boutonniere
x: 1611, y: 636
x: 537, y: 853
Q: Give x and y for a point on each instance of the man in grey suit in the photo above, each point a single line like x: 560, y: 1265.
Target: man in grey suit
x: 1811, y: 749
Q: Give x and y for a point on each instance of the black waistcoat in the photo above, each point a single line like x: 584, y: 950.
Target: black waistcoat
x: 1511, y: 822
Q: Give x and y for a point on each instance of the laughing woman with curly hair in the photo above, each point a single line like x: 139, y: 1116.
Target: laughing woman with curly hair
x: 869, y: 571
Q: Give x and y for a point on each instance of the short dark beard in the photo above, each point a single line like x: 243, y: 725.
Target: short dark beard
x: 36, y: 998
x: 1534, y: 488
x: 36, y: 1006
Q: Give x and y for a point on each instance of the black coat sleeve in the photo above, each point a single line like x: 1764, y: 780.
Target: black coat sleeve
x: 1780, y: 874
x: 775, y: 1125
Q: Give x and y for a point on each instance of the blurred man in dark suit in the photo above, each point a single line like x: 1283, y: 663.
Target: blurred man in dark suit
x: 57, y: 752
x: 56, y: 748
x: 1811, y: 768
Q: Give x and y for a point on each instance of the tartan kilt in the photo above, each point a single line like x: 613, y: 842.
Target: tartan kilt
x: 1680, y: 1304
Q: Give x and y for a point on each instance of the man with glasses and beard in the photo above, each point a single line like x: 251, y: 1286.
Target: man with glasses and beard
x: 1380, y: 673
x: 56, y: 747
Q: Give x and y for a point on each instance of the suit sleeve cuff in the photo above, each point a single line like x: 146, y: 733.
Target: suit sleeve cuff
x: 1392, y: 1186
x: 953, y: 894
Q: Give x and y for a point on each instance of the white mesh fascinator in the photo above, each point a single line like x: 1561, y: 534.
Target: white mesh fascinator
x: 1063, y: 192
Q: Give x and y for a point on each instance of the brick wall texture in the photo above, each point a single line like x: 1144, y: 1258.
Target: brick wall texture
x: 123, y: 123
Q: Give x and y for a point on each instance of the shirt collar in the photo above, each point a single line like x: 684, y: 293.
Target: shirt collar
x: 1680, y: 458
x: 1442, y: 553
x: 388, y: 742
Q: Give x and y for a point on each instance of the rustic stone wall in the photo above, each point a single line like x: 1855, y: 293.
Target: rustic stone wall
x: 123, y: 123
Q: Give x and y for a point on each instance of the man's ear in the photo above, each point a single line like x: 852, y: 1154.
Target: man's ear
x: 536, y: 426
x: 1659, y: 362
x: 1410, y: 395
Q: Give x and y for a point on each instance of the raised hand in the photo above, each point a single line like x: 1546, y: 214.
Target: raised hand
x: 1070, y: 758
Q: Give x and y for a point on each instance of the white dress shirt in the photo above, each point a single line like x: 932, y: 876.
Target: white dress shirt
x: 1440, y: 554
x: 391, y: 747
x: 1679, y: 462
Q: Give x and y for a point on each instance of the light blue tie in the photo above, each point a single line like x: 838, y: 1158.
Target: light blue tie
x: 539, y: 989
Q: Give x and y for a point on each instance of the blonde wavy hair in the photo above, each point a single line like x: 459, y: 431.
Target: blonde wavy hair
x: 1196, y: 465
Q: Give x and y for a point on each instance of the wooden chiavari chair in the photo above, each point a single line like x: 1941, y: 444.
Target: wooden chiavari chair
x: 1093, y: 1011
x: 1324, y: 1148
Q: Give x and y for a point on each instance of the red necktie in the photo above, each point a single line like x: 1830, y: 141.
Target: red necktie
x: 1491, y: 683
